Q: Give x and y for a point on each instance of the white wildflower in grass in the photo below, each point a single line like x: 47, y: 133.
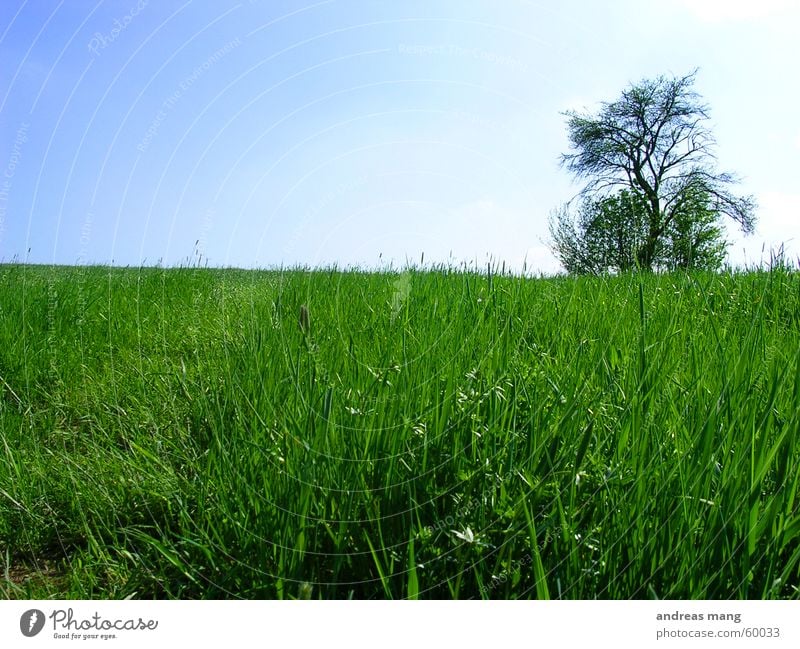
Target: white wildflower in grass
x: 466, y: 535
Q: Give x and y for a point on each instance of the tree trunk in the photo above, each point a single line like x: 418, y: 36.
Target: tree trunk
x: 647, y: 253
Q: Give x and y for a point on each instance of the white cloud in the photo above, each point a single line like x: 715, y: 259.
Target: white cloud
x: 778, y: 228
x: 540, y: 259
x: 731, y: 10
x: 779, y: 216
x: 485, y: 231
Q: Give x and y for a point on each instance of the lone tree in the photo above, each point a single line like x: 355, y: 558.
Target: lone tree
x: 653, y: 142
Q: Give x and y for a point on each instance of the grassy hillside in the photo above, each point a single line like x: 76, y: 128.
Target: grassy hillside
x: 175, y: 433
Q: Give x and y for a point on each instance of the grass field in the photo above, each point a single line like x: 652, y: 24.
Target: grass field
x: 437, y: 434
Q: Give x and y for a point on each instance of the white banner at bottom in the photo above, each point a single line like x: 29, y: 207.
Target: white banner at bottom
x: 472, y: 624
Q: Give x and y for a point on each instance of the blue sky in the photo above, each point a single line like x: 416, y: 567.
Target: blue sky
x: 357, y: 132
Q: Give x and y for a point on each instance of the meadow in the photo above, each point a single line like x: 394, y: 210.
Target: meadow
x: 439, y: 433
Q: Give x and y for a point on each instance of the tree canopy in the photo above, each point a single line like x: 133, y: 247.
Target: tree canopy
x: 653, y: 142
x: 606, y: 234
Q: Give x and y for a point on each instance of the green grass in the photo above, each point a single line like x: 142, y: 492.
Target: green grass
x: 438, y: 434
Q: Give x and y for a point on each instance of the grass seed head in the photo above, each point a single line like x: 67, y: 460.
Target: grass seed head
x: 305, y: 319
